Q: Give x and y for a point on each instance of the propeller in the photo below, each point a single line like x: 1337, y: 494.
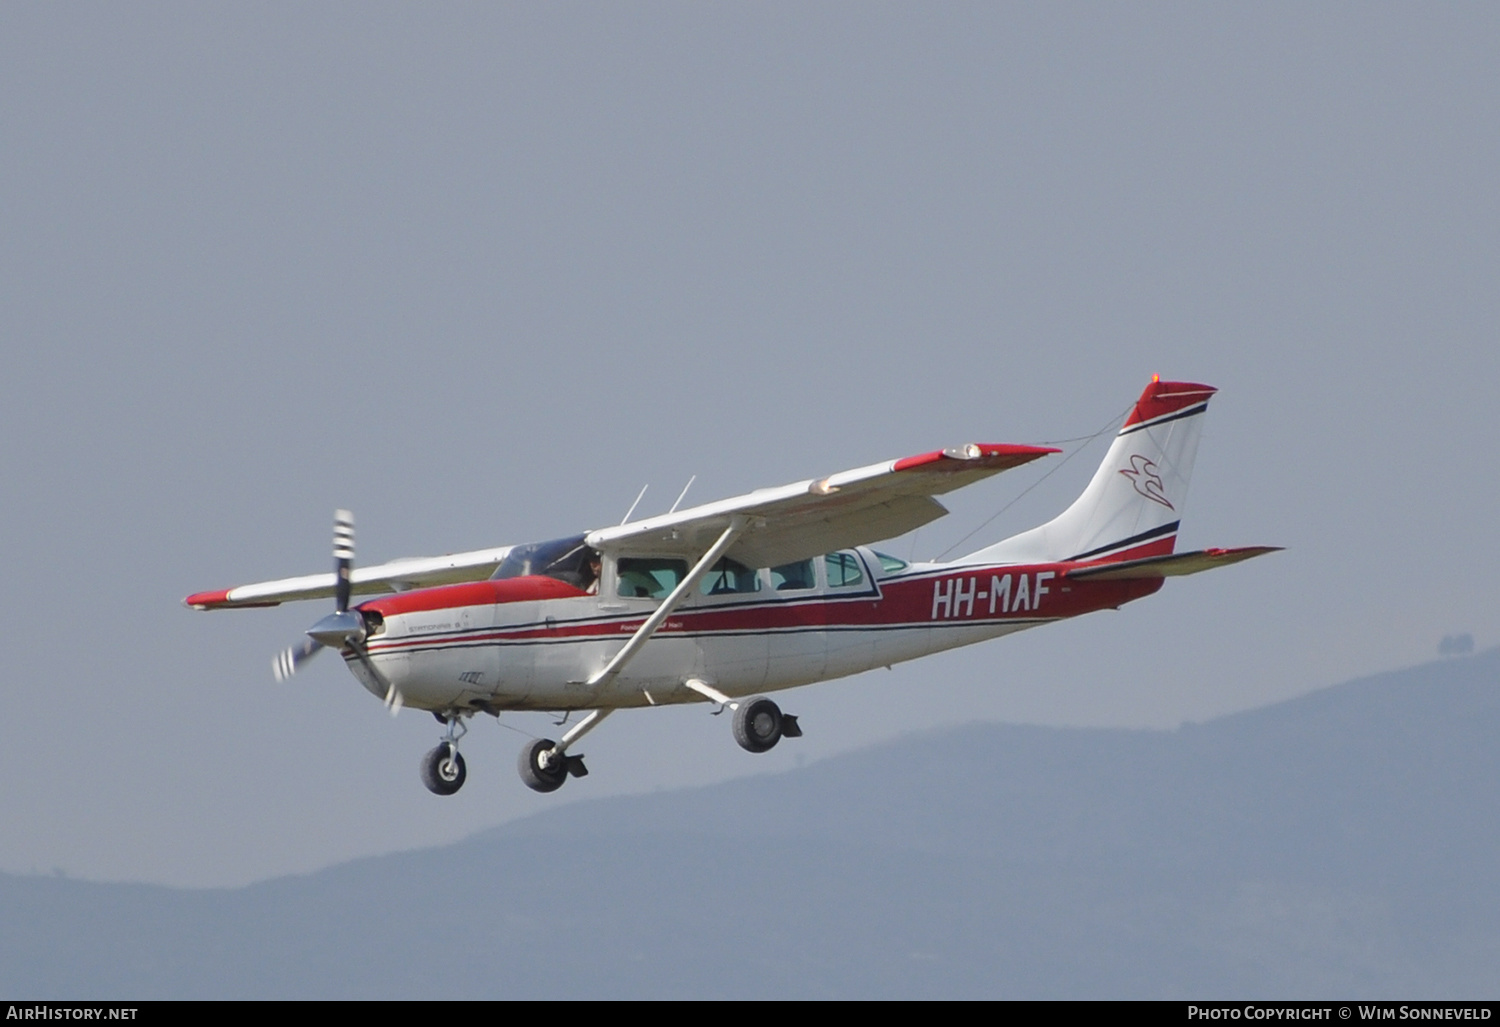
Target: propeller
x: 292, y: 657
x: 343, y: 626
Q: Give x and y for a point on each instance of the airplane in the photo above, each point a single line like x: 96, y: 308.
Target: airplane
x: 723, y: 602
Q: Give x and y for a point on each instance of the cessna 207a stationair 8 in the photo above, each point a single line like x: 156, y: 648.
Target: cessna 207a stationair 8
x: 754, y: 594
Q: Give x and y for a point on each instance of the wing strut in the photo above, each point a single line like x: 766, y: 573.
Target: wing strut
x: 737, y: 524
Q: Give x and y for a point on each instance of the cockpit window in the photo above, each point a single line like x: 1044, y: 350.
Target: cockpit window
x: 649, y: 577
x: 891, y: 564
x: 566, y: 559
x: 728, y: 577
x: 843, y: 570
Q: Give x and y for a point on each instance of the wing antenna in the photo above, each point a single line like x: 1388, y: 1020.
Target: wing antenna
x: 683, y: 493
x: 636, y: 503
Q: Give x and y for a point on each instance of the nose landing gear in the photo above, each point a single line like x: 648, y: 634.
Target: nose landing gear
x: 443, y: 770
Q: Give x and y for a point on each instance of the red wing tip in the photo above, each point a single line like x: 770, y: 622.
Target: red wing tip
x: 207, y: 600
x: 220, y: 601
x: 975, y: 451
x: 1006, y: 449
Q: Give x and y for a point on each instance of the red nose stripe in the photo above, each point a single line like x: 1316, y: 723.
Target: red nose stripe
x: 476, y: 593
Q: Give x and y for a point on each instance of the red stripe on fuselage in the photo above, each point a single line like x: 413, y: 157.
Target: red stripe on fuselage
x: 969, y: 595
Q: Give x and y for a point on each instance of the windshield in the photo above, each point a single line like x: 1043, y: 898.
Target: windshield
x: 566, y: 559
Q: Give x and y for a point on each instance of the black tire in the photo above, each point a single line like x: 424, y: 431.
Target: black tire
x: 757, y: 724
x: 441, y: 775
x: 534, y: 775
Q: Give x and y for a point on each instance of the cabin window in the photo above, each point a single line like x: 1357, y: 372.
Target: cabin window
x: 648, y: 577
x: 843, y: 570
x: 791, y: 577
x: 729, y: 577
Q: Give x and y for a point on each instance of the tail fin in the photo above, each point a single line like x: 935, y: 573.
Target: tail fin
x: 1133, y: 505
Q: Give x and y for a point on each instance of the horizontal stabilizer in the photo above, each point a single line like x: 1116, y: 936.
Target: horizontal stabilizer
x: 1171, y: 566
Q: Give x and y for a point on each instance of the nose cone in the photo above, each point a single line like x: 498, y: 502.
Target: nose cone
x: 339, y: 629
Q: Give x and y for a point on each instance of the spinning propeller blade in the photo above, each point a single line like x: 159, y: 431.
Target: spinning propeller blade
x: 343, y: 558
x: 292, y: 657
x: 339, y: 628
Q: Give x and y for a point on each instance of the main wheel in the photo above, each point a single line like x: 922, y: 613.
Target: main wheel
x: 537, y: 777
x: 442, y: 774
x: 757, y: 724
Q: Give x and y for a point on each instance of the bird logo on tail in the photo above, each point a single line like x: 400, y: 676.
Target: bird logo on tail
x: 1142, y: 474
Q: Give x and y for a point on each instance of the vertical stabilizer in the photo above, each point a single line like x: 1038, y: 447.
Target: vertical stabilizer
x: 1133, y: 505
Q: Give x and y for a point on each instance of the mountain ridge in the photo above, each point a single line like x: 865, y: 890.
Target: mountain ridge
x: 1340, y: 842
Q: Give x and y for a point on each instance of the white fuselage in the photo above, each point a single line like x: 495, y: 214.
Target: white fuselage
x: 534, y: 643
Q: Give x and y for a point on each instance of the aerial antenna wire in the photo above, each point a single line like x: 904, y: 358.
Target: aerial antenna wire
x: 683, y: 493
x: 636, y: 503
x: 1084, y: 439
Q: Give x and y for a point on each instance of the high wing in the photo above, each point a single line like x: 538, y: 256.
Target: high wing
x: 780, y: 525
x: 396, y: 576
x: 797, y: 521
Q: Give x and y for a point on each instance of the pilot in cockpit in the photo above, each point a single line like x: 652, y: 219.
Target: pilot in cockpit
x: 589, y: 572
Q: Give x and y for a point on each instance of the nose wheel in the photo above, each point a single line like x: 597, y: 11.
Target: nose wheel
x: 443, y: 770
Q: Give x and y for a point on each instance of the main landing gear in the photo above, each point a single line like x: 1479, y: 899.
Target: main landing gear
x: 759, y: 724
x: 544, y: 770
x: 545, y: 764
x: 443, y: 770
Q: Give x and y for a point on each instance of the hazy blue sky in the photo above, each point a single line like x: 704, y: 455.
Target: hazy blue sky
x: 480, y: 272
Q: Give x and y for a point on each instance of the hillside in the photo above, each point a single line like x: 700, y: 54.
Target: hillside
x: 1341, y: 843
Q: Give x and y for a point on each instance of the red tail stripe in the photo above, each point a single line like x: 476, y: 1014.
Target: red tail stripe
x: 1161, y: 398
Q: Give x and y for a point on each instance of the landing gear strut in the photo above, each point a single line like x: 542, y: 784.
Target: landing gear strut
x: 443, y: 770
